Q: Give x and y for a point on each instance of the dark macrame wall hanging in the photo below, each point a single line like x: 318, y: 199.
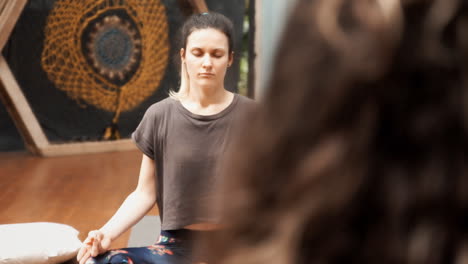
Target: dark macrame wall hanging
x: 81, y: 83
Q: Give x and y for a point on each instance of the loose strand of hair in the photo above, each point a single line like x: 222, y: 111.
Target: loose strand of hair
x: 184, y: 88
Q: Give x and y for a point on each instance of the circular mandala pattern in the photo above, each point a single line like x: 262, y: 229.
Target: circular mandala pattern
x: 110, y: 54
x: 113, y: 46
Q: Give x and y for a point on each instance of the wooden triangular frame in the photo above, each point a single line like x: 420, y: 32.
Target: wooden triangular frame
x: 199, y: 6
x: 20, y: 110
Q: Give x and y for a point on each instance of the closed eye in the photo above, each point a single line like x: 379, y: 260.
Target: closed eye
x: 196, y: 53
x: 215, y: 54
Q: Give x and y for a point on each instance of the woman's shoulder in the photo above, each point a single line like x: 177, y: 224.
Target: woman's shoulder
x: 243, y: 106
x: 161, y: 106
x: 246, y: 102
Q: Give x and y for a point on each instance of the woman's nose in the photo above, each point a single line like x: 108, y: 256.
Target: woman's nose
x: 206, y: 61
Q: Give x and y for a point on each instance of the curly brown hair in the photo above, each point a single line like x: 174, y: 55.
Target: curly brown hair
x: 358, y: 153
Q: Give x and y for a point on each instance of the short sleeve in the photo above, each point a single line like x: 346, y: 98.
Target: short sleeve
x: 144, y: 134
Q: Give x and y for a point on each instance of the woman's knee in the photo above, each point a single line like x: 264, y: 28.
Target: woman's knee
x: 118, y: 256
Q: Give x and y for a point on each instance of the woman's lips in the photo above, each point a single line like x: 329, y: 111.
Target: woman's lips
x: 206, y: 75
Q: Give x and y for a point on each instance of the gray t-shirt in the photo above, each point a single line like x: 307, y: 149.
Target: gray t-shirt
x: 187, y: 149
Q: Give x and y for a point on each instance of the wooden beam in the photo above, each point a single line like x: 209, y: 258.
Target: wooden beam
x: 9, y: 15
x: 20, y: 110
x: 199, y: 6
x: 54, y: 150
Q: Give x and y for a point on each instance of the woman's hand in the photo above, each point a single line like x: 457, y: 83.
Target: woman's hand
x: 96, y: 243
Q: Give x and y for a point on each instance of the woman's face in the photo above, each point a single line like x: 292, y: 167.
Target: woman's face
x: 206, y: 57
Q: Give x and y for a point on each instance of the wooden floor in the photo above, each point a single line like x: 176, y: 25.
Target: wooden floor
x: 82, y: 191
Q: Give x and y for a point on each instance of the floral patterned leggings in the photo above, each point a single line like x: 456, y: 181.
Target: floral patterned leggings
x: 173, y: 247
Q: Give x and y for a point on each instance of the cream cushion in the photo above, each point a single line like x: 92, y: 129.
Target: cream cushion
x: 38, y: 243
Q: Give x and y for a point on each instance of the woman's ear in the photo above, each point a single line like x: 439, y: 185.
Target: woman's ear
x: 182, y: 55
x: 231, y: 59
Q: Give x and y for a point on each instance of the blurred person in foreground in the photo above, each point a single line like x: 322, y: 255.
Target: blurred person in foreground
x: 358, y: 153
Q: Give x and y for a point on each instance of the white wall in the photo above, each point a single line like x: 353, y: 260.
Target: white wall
x: 270, y: 18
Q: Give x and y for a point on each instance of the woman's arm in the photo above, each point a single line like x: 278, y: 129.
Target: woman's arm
x: 135, y: 206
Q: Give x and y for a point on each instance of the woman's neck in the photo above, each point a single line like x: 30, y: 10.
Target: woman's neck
x: 205, y: 96
x: 206, y: 101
